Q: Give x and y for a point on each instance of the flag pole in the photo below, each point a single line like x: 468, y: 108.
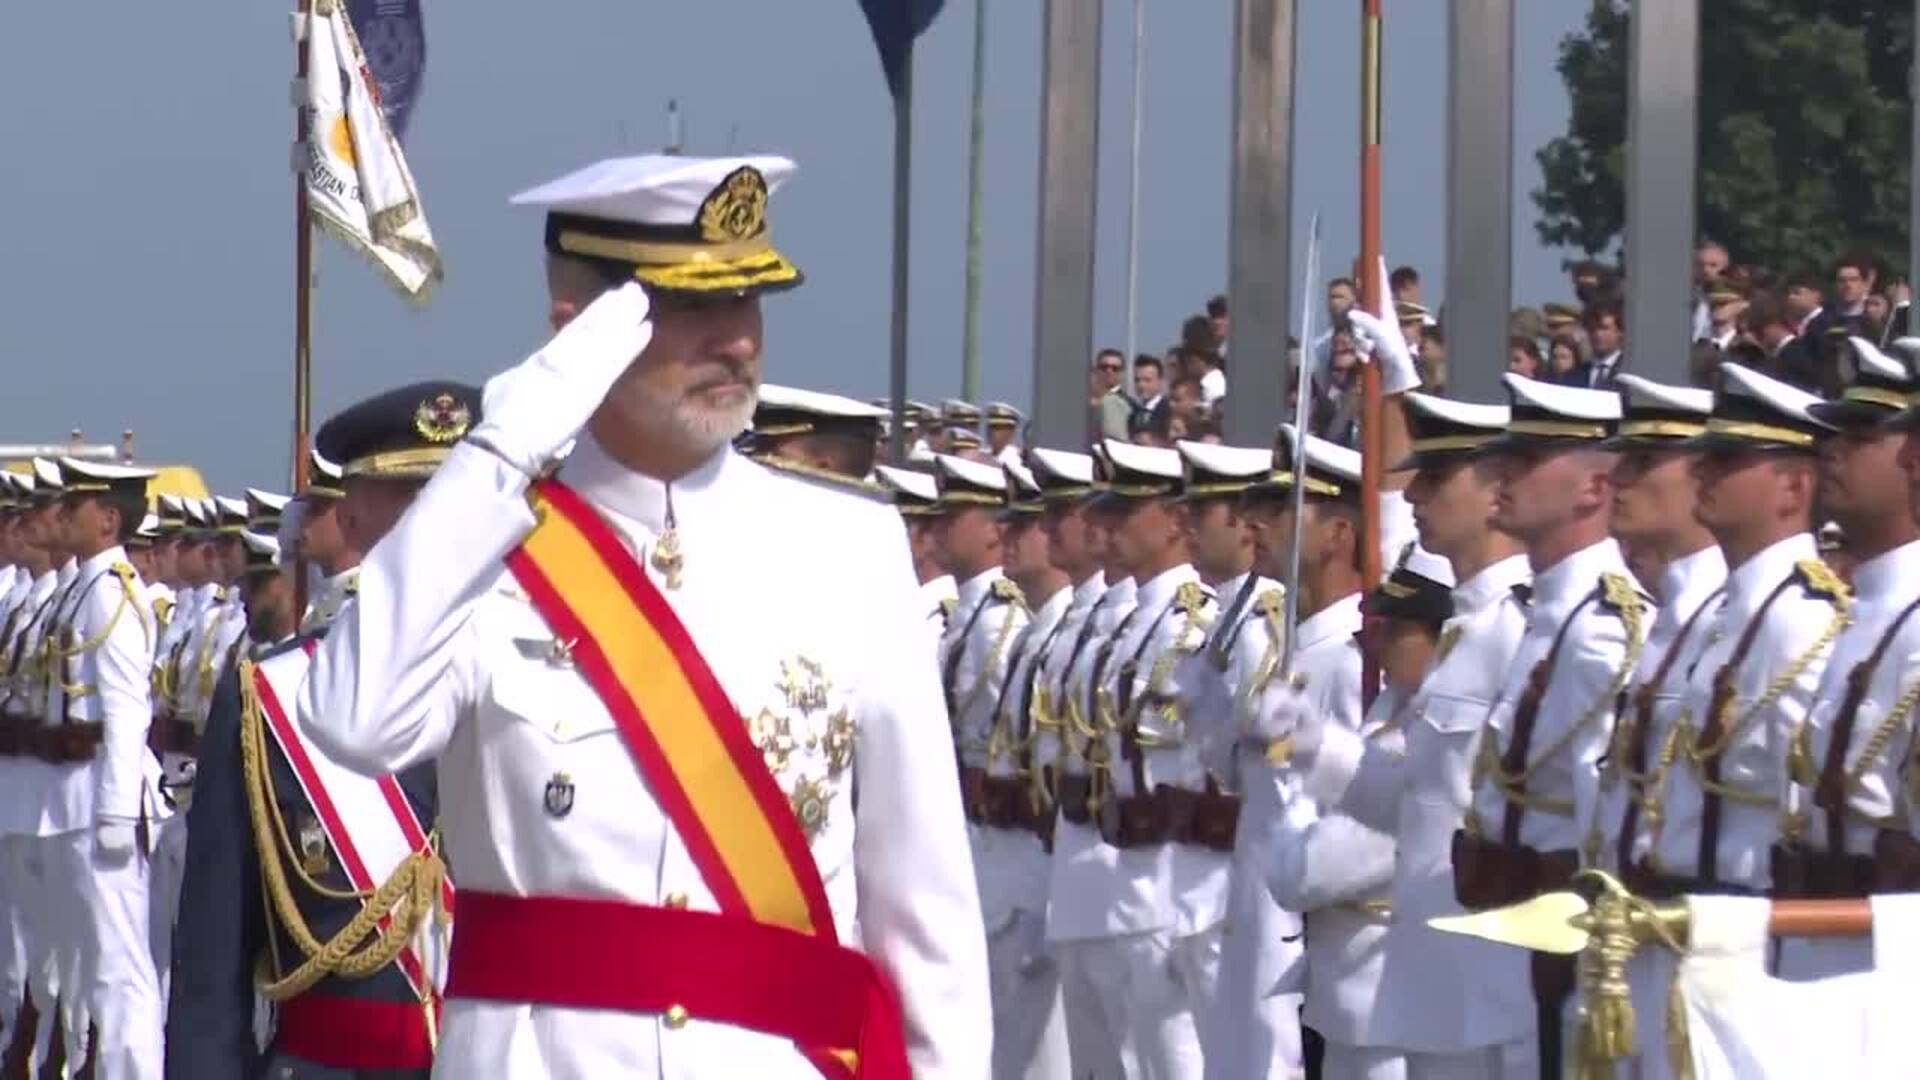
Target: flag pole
x: 302, y: 291
x: 1372, y: 440
x: 970, y: 331
x: 1133, y: 177
x: 902, y: 219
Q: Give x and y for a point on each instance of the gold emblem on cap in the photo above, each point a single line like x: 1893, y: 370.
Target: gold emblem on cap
x: 442, y: 418
x: 737, y: 209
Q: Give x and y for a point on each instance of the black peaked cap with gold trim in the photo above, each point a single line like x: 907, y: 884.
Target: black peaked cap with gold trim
x: 1547, y: 415
x: 1125, y: 471
x: 1441, y: 428
x: 688, y: 225
x: 401, y: 434
x: 1659, y: 414
x: 1419, y: 588
x: 965, y: 482
x: 1881, y: 389
x: 81, y: 477
x: 1331, y: 472
x: 1752, y: 411
x: 1209, y: 470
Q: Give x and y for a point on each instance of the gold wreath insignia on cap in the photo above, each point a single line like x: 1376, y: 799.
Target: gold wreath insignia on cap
x: 737, y: 209
x: 442, y: 418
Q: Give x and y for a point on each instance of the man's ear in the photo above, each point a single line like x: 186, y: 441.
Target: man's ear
x: 562, y: 312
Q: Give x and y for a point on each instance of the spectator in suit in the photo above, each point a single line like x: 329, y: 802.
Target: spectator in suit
x: 1110, y: 401
x: 1770, y: 324
x: 1603, y: 323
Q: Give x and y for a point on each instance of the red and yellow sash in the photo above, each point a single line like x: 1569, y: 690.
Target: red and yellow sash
x: 688, y: 742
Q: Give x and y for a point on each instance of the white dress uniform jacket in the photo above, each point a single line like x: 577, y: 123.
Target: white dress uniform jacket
x: 1322, y: 863
x: 1691, y: 590
x: 101, y: 663
x: 1255, y: 1026
x: 1439, y: 993
x: 327, y: 600
x: 1575, y: 721
x: 938, y: 597
x: 1773, y: 691
x: 1030, y: 1035
x: 442, y: 656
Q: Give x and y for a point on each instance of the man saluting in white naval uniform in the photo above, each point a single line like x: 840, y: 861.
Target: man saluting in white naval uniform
x: 654, y: 686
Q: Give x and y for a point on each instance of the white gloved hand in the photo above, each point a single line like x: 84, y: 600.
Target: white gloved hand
x: 1287, y: 724
x: 530, y: 412
x: 114, y: 839
x: 1386, y: 345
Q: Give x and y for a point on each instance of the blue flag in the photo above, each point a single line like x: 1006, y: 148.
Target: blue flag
x: 394, y: 37
x: 895, y: 23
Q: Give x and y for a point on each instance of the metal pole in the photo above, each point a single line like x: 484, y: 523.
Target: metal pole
x: 1663, y: 77
x: 1479, y: 195
x: 1063, y: 287
x: 1913, y: 180
x: 1260, y: 238
x: 1133, y: 177
x: 1372, y: 445
x: 302, y: 296
x: 902, y: 219
x: 970, y: 332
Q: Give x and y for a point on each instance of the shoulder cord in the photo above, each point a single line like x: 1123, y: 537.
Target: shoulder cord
x: 406, y: 898
x: 1163, y: 665
x: 204, y: 657
x: 1269, y: 666
x: 999, y: 649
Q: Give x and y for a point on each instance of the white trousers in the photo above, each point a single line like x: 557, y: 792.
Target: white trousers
x: 169, y: 863
x: 1518, y: 1060
x: 122, y: 990
x: 13, y: 944
x: 1138, y: 992
x: 1029, y: 1024
x: 37, y: 909
x: 1343, y: 1062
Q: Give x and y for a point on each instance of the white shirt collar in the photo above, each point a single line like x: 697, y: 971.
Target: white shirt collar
x: 974, y: 588
x: 1338, y: 619
x: 1749, y: 583
x: 1088, y: 592
x: 639, y: 497
x: 1887, y: 572
x: 1568, y: 581
x: 1161, y: 587
x: 1490, y: 585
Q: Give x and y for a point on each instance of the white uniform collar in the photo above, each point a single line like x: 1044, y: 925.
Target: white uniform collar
x: 1706, y: 568
x: 1568, y: 581
x: 1160, y: 589
x: 1749, y: 583
x: 940, y: 588
x: 974, y: 588
x: 1087, y: 593
x: 1890, y: 573
x: 1490, y: 585
x: 637, y: 496
x: 1337, y: 620
x: 1231, y: 587
x: 67, y: 572
x: 1124, y: 591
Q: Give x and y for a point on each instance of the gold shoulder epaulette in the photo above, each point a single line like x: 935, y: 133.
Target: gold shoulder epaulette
x: 1271, y: 601
x: 1617, y: 592
x: 948, y: 606
x: 1008, y: 590
x: 1192, y: 600
x: 1820, y: 580
x: 125, y: 572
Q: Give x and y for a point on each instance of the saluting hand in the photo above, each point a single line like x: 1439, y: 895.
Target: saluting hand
x: 531, y: 412
x: 1385, y: 344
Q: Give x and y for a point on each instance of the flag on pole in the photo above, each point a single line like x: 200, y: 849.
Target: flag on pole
x: 395, y: 38
x: 358, y: 185
x: 895, y: 23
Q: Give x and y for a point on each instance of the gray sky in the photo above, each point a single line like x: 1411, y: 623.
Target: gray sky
x: 147, y: 277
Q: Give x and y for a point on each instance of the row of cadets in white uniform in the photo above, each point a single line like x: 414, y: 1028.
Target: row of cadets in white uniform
x: 1704, y: 796
x: 326, y: 593
x: 1523, y: 774
x: 1140, y: 957
x: 29, y: 963
x: 97, y: 797
x: 916, y: 495
x: 1860, y: 788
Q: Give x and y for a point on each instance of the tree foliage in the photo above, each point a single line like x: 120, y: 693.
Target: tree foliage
x: 1804, y: 130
